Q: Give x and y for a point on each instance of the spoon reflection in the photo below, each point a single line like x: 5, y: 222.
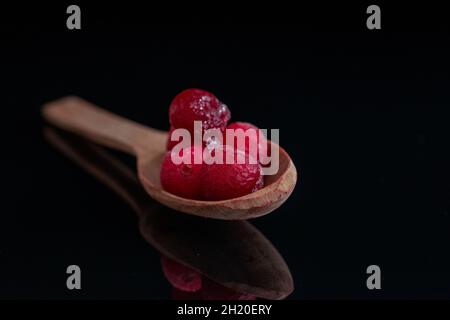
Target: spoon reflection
x: 233, y: 254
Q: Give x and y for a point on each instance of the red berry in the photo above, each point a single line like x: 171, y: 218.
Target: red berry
x: 181, y: 276
x: 183, y: 180
x: 257, y: 138
x: 198, y: 105
x: 226, y: 181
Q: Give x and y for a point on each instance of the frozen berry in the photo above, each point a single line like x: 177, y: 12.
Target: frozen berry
x: 198, y: 105
x: 223, y: 181
x: 182, y: 179
x: 254, y: 137
x: 181, y: 276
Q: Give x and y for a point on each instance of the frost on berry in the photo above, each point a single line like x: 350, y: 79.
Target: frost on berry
x: 198, y: 105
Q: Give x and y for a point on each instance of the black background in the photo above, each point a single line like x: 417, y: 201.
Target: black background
x: 363, y: 114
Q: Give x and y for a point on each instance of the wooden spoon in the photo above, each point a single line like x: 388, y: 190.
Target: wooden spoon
x: 232, y: 253
x: 149, y: 146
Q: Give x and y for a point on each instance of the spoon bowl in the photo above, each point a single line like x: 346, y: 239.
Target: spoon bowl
x: 277, y: 189
x: 149, y: 147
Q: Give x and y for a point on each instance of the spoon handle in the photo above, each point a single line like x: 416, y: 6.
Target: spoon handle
x: 79, y: 116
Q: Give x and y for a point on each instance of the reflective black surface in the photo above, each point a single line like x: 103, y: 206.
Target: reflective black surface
x: 364, y: 118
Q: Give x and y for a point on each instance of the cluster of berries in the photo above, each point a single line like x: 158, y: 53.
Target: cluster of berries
x: 215, y: 181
